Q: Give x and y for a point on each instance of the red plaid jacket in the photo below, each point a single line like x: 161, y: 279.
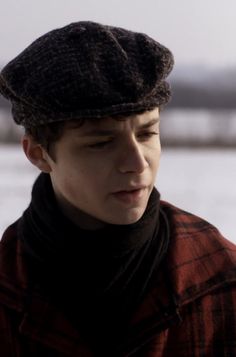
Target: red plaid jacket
x: 201, y: 268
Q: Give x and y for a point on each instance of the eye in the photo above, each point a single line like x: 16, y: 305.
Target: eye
x: 147, y: 135
x: 100, y: 145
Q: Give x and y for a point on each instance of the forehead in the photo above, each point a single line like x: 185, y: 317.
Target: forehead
x: 94, y: 126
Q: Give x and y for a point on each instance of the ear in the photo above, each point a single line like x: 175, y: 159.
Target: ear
x: 35, y: 153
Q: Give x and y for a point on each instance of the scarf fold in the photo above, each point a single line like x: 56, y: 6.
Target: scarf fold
x: 92, y: 275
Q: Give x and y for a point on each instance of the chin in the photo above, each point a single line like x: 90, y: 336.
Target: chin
x: 129, y: 218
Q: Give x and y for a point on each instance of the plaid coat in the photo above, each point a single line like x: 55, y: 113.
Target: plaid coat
x: 201, y: 267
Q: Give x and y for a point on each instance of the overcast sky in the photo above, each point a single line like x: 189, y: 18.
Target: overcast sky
x: 197, y: 31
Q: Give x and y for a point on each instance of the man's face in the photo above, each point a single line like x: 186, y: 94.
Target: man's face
x: 105, y: 170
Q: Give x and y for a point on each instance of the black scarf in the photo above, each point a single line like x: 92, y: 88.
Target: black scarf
x: 92, y: 275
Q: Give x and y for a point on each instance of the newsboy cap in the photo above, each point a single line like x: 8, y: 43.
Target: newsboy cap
x: 86, y: 70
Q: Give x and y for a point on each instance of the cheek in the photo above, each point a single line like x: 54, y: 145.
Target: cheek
x: 81, y: 180
x: 155, y: 158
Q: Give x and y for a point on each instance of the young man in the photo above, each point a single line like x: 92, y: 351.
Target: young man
x: 97, y: 265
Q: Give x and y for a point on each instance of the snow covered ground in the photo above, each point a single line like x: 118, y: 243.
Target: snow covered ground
x: 200, y: 181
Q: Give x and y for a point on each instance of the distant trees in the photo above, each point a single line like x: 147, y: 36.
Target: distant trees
x: 189, y: 95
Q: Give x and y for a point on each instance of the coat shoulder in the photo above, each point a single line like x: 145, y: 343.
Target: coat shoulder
x: 184, y: 224
x: 13, y: 270
x: 200, y: 259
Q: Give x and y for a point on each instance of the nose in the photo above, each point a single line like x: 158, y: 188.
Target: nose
x: 132, y: 158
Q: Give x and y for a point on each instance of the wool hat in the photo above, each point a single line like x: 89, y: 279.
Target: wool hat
x: 86, y: 70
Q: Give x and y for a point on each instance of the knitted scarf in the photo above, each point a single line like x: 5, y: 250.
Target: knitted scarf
x: 92, y: 275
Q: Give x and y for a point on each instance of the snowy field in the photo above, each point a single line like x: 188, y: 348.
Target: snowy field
x: 200, y: 181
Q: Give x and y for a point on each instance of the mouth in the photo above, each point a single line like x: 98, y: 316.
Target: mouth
x: 130, y: 195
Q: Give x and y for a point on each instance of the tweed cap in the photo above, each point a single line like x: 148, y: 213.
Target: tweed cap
x: 86, y: 70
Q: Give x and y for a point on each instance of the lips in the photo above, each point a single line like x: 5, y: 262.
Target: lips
x: 132, y: 188
x: 130, y: 195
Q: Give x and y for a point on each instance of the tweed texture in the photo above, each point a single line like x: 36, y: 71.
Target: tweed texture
x: 86, y: 70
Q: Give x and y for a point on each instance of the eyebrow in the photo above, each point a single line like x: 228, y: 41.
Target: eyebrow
x: 105, y: 132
